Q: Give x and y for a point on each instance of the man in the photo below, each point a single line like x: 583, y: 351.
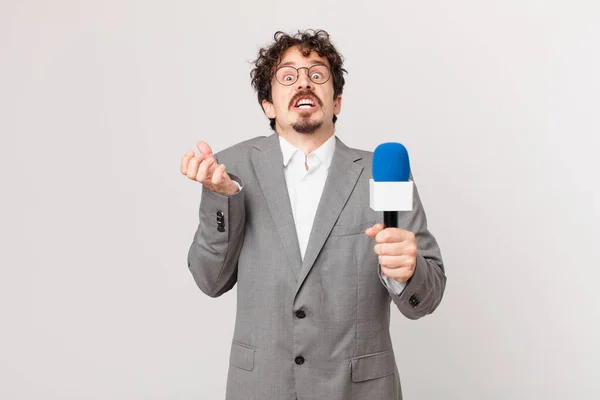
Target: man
x: 287, y: 218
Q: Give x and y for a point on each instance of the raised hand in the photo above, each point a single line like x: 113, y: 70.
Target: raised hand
x: 204, y: 168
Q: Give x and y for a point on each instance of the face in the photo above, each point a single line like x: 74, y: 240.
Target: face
x: 304, y: 106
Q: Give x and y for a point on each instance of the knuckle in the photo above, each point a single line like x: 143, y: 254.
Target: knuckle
x: 201, y: 174
x: 412, y: 249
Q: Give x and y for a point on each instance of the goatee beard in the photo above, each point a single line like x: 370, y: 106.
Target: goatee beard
x: 305, y: 125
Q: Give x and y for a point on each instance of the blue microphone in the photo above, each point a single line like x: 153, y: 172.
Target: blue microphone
x: 390, y: 189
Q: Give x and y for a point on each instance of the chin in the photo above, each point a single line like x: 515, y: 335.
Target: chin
x: 307, y: 125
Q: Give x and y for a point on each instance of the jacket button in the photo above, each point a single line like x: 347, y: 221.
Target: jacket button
x: 300, y: 314
x: 414, y: 301
x: 220, y: 213
x: 221, y: 228
x: 299, y: 360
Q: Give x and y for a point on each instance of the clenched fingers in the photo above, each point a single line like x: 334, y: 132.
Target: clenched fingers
x: 394, y: 262
x: 398, y: 274
x: 374, y: 230
x: 396, y: 249
x: 394, y: 235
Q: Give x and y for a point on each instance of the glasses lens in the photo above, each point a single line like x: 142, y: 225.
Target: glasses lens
x: 318, y: 74
x: 286, y: 75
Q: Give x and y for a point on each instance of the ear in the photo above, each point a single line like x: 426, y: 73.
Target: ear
x: 268, y: 109
x: 337, y: 105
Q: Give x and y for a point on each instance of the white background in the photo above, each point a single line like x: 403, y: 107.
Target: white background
x: 496, y: 101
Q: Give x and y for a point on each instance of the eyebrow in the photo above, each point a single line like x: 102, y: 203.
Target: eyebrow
x: 291, y: 63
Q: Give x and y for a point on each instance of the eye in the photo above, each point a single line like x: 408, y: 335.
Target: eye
x: 316, y: 75
x: 288, y: 78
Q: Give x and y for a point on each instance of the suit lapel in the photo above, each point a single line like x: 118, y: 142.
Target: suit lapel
x: 341, y: 179
x: 268, y: 165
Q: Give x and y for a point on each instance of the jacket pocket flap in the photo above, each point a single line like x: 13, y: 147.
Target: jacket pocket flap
x: 353, y: 229
x: 242, y: 356
x: 373, y: 366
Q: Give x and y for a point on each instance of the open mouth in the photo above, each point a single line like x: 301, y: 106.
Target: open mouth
x: 306, y: 103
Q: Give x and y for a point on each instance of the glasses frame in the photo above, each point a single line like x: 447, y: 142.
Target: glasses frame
x: 307, y: 74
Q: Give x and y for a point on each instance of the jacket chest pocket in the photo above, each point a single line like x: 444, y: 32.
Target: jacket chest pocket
x: 351, y: 229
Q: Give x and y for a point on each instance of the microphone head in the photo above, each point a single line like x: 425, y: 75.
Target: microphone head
x: 390, y: 163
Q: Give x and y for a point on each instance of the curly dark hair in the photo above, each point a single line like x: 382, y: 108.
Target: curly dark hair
x: 307, y: 41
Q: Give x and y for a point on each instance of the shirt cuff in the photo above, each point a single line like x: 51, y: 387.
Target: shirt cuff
x: 393, y: 285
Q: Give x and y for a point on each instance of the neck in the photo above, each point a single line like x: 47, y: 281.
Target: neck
x: 306, y: 142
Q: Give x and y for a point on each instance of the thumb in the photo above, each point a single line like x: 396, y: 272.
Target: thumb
x: 374, y: 230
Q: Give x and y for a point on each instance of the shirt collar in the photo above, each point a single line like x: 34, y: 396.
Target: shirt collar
x: 324, y: 153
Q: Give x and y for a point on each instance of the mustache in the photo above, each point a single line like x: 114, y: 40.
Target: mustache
x: 305, y: 93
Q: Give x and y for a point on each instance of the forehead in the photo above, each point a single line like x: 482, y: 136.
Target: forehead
x: 293, y: 56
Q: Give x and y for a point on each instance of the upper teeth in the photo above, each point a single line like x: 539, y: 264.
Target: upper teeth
x: 305, y: 102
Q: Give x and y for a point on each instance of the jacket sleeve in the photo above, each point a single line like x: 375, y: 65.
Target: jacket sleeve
x: 213, y: 255
x: 424, y: 290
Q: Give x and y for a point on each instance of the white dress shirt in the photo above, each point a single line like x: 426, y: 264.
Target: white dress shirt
x: 305, y: 188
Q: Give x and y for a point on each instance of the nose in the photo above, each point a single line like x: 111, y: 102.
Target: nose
x: 304, y: 81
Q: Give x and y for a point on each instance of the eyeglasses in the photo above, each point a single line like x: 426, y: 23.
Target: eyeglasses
x: 288, y: 75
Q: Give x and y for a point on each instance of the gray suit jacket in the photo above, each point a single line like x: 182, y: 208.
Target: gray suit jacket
x: 316, y: 328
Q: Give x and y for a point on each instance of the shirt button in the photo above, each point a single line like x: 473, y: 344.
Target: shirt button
x: 300, y: 314
x: 299, y: 360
